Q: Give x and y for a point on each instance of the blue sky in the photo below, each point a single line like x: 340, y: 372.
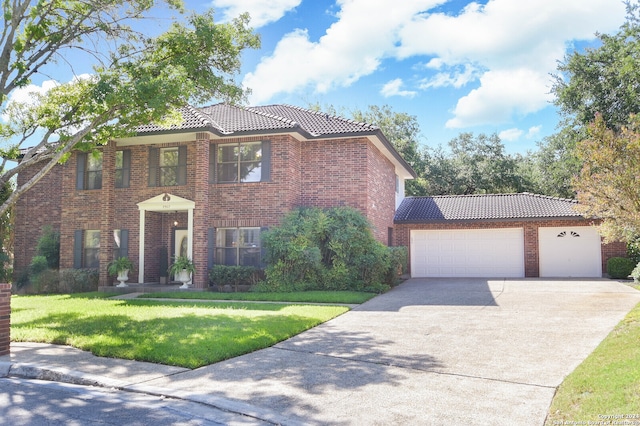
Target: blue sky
x: 458, y: 66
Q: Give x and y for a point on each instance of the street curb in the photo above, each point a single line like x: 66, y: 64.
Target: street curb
x: 29, y: 371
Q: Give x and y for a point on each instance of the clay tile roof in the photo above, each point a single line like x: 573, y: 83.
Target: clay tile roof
x: 483, y: 207
x: 228, y: 119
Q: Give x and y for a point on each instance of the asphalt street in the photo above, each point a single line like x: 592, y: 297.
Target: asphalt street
x: 37, y: 402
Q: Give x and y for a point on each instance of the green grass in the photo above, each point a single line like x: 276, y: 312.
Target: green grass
x: 607, y: 382
x: 352, y: 297
x: 184, y: 334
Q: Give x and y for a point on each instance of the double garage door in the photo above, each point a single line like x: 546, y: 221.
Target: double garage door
x: 499, y: 252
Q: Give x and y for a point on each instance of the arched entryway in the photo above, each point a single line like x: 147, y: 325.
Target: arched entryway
x: 164, y: 203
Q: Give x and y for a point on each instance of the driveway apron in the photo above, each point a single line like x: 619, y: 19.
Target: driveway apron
x: 431, y: 351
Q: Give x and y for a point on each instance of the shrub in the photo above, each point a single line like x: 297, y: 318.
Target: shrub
x: 38, y: 265
x: 635, y: 274
x: 332, y: 249
x: 6, y: 272
x: 224, y: 275
x: 78, y: 280
x: 46, y: 282
x: 620, y: 267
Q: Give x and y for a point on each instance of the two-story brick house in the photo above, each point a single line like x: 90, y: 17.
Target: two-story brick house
x: 207, y: 188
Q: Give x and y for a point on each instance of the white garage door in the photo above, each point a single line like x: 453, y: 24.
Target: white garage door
x: 570, y: 252
x: 468, y: 253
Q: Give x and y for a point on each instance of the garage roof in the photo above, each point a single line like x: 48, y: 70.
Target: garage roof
x: 484, y: 207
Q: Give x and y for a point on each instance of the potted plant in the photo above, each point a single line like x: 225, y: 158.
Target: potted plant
x: 182, y: 268
x: 120, y: 267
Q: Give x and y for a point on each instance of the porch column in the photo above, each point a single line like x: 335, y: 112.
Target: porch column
x: 141, y: 246
x: 190, y: 233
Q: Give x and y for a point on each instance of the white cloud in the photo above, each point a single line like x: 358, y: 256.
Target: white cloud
x: 518, y: 41
x: 510, y: 134
x: 352, y: 47
x: 533, y: 132
x: 262, y: 11
x: 392, y: 88
x: 503, y: 51
x: 455, y: 78
x: 501, y: 95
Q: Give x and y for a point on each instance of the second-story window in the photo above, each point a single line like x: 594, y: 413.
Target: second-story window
x: 89, y: 170
x: 168, y: 166
x: 241, y: 162
x: 123, y: 168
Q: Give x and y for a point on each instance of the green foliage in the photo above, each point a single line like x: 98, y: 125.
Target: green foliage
x: 224, y: 275
x: 607, y: 186
x: 181, y: 263
x: 120, y: 264
x: 603, y: 80
x: 331, y: 249
x: 620, y: 267
x: 49, y: 246
x: 635, y: 274
x: 633, y: 248
x: 38, y: 265
x: 6, y: 272
x: 136, y: 78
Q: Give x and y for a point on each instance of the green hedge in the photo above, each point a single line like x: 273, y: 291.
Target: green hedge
x: 330, y: 249
x: 620, y: 267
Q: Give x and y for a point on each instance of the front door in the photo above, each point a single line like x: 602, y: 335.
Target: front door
x: 180, y: 243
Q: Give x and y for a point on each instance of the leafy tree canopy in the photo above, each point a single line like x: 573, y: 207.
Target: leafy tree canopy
x: 137, y: 79
x: 608, y: 182
x: 604, y: 80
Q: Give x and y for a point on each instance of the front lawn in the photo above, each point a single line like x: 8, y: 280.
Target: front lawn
x: 174, y: 333
x: 607, y: 383
x: 350, y: 297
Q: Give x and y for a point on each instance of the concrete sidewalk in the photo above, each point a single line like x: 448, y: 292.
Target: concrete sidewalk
x: 437, y: 351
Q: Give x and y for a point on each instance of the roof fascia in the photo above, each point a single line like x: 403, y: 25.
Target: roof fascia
x: 493, y: 220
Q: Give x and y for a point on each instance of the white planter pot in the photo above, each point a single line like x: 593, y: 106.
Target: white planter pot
x: 184, y: 277
x: 123, y: 276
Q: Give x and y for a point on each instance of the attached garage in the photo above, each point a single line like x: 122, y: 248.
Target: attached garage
x: 570, y: 251
x: 467, y: 253
x: 500, y: 235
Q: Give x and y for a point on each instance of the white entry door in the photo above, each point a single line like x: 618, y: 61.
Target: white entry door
x: 572, y: 251
x: 468, y: 253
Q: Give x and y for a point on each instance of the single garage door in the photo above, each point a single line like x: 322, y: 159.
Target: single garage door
x: 468, y: 253
x: 570, y: 252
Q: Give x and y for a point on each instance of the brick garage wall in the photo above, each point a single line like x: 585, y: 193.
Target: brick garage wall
x: 531, y: 250
x: 36, y: 208
x: 381, y: 193
x: 5, y: 318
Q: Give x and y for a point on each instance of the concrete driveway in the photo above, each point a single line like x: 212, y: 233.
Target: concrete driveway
x: 431, y: 351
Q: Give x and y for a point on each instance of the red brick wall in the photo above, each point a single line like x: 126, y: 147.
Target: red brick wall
x: 36, y: 208
x: 381, y: 193
x: 5, y: 318
x: 531, y: 266
x: 324, y: 173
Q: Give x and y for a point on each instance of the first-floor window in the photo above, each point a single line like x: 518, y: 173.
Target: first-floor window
x: 120, y: 243
x: 238, y: 246
x: 91, y: 251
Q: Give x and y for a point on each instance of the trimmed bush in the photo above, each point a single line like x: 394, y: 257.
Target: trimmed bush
x: 332, y: 249
x: 620, y: 267
x: 49, y: 246
x: 233, y: 276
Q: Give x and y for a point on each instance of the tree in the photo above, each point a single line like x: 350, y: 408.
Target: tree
x: 136, y: 80
x: 608, y: 182
x: 605, y: 80
x: 474, y: 165
x: 555, y: 164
